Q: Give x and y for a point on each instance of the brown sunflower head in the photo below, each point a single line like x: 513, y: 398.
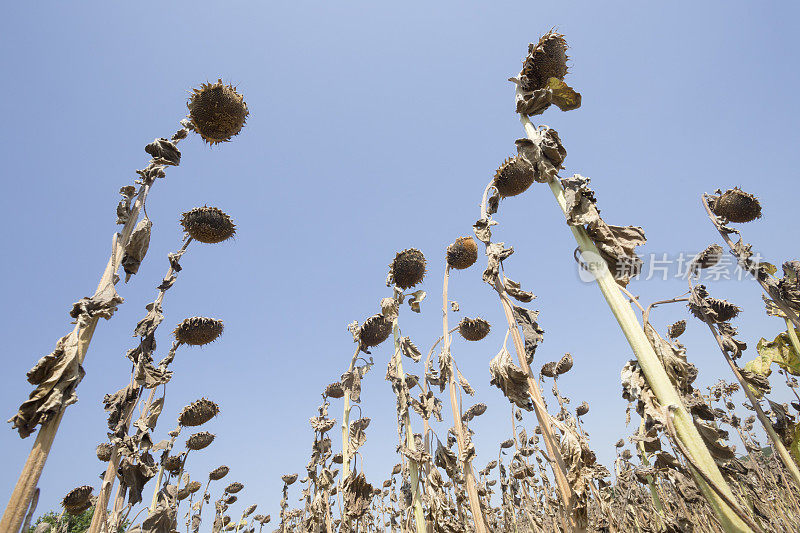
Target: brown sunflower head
x: 289, y: 478
x: 549, y: 369
x: 514, y: 176
x: 375, y: 330
x: 77, y: 500
x: 217, y: 111
x: 582, y: 409
x: 173, y: 463
x: 709, y: 257
x: 565, y: 364
x: 198, y: 413
x: 208, y: 224
x: 725, y: 310
x: 676, y: 330
x: 474, y: 329
x: 408, y: 268
x: 334, y: 390
x: 463, y: 253
x: 234, y: 487
x: 194, y: 486
x: 198, y: 330
x: 218, y: 473
x: 198, y: 441
x: 103, y: 451
x: 546, y: 59
x: 736, y: 205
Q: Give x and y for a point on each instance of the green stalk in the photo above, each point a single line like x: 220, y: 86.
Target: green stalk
x: 651, y: 366
x: 419, y: 516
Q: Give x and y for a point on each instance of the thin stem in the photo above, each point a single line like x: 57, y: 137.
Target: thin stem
x: 466, y: 464
x: 650, y: 364
x: 777, y: 443
x: 413, y: 467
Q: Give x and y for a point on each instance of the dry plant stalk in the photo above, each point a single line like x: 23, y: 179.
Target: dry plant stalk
x: 478, y: 518
x: 87, y: 313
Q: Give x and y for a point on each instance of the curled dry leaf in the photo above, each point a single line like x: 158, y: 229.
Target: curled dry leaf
x: 136, y: 249
x: 510, y: 379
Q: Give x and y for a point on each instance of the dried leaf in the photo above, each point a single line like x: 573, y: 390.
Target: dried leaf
x: 136, y: 249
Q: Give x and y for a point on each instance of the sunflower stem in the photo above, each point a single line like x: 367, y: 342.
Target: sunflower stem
x: 466, y: 464
x: 413, y: 467
x: 651, y: 366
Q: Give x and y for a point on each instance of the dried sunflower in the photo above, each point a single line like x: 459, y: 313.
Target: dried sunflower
x: 407, y: 268
x: 217, y: 112
x: 473, y: 329
x: 198, y: 330
x: 736, y: 205
x: 463, y: 253
x: 208, y: 224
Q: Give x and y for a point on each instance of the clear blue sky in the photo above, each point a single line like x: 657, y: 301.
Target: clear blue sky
x: 373, y: 128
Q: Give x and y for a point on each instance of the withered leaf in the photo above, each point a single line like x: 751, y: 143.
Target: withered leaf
x: 136, y: 249
x: 409, y: 349
x: 56, y: 376
x: 514, y: 290
x: 510, y: 379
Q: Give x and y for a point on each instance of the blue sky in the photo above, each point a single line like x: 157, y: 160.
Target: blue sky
x: 373, y: 128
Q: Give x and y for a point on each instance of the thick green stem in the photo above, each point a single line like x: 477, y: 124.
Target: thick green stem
x: 651, y: 366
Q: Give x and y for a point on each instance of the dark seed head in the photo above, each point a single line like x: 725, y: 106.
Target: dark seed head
x: 514, y: 176
x: 546, y: 59
x: 104, y: 451
x: 77, y: 500
x: 549, y: 369
x: 463, y: 253
x: 736, y: 206
x: 208, y: 224
x: 198, y: 330
x: 565, y: 364
x: 375, y: 330
x: 173, y: 463
x: 234, y: 487
x: 582, y: 409
x: 217, y: 112
x: 677, y: 329
x: 218, y: 473
x: 198, y: 413
x: 474, y: 329
x: 198, y: 441
x: 334, y: 390
x: 408, y: 268
x: 709, y: 257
